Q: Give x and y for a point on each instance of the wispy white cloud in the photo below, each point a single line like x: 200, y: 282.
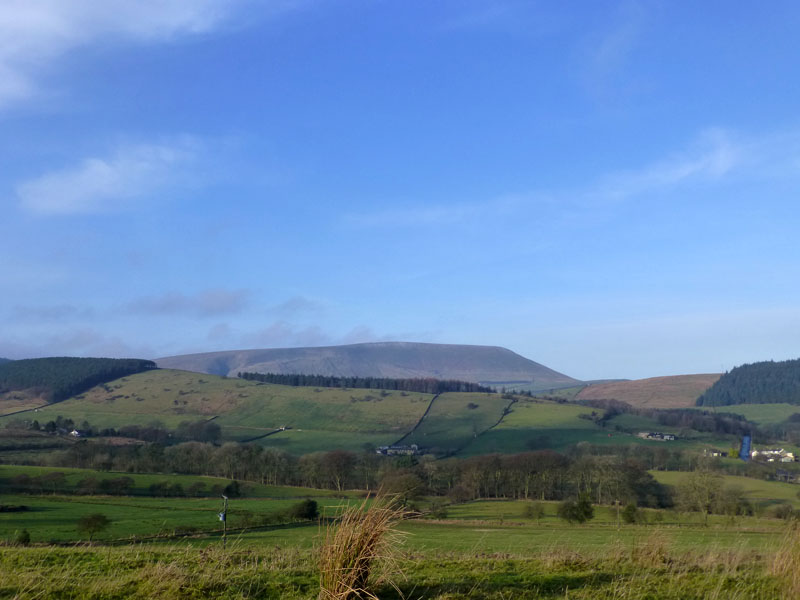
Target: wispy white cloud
x: 72, y: 342
x: 712, y: 156
x: 715, y: 156
x: 106, y: 184
x: 34, y: 33
x: 607, y: 52
x: 207, y: 303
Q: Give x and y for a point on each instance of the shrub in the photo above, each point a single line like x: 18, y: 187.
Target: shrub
x: 783, y: 511
x: 233, y: 489
x: 630, y: 514
x: 438, y: 509
x: 94, y: 523
x: 576, y: 512
x: 22, y: 538
x: 533, y: 510
x: 304, y: 510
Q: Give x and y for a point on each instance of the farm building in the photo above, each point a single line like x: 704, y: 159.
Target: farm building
x: 656, y: 435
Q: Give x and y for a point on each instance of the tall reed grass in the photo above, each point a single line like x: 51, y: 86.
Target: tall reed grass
x: 360, y: 550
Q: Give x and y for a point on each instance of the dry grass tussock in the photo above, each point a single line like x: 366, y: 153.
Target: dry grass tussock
x: 360, y: 549
x: 785, y: 563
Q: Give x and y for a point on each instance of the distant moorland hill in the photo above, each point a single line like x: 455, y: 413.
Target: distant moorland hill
x: 488, y: 365
x: 4, y: 360
x: 677, y: 391
x: 60, y: 377
x: 765, y: 382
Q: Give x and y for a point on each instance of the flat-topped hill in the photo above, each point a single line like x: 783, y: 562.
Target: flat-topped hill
x: 490, y: 365
x: 676, y: 391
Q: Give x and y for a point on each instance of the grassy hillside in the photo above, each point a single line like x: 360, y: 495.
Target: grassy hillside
x: 538, y: 424
x: 315, y: 418
x: 481, y: 364
x: 309, y: 419
x: 21, y: 400
x: 455, y: 419
x: 678, y: 391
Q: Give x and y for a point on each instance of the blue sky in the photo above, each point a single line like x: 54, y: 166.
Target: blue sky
x: 608, y: 188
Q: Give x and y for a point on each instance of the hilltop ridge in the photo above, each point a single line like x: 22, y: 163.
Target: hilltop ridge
x: 490, y: 365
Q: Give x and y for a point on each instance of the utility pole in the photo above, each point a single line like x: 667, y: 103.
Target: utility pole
x: 223, y: 516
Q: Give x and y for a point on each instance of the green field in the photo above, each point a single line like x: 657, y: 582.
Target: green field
x: 479, y: 552
x: 488, y: 525
x: 762, y: 414
x: 484, y: 549
x: 301, y: 420
x: 53, y: 516
x: 756, y: 490
x: 537, y: 424
x: 315, y: 418
x: 455, y: 419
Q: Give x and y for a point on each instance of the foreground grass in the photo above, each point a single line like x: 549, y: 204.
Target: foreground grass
x: 647, y: 569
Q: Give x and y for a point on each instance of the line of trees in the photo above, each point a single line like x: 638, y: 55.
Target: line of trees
x: 423, y: 385
x: 58, y: 378
x: 544, y: 475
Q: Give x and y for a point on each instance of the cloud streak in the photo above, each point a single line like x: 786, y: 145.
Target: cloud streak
x: 35, y: 33
x: 207, y: 303
x: 714, y: 156
x: 107, y: 184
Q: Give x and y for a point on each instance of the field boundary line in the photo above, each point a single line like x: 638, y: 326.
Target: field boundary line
x: 506, y: 411
x: 422, y: 418
x: 24, y: 410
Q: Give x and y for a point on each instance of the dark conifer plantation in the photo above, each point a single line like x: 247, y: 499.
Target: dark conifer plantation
x: 425, y: 386
x: 61, y: 377
x: 758, y: 383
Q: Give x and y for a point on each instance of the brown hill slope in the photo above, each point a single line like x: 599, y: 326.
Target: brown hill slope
x: 485, y: 364
x: 676, y: 391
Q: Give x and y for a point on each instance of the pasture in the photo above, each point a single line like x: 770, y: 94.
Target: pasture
x: 762, y: 414
x: 536, y: 424
x: 759, y: 492
x: 480, y: 554
x: 315, y: 418
x: 171, y: 547
x: 455, y: 419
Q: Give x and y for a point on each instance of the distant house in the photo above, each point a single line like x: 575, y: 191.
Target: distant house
x: 715, y: 453
x: 656, y: 435
x: 773, y: 455
x: 76, y: 433
x: 398, y: 450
